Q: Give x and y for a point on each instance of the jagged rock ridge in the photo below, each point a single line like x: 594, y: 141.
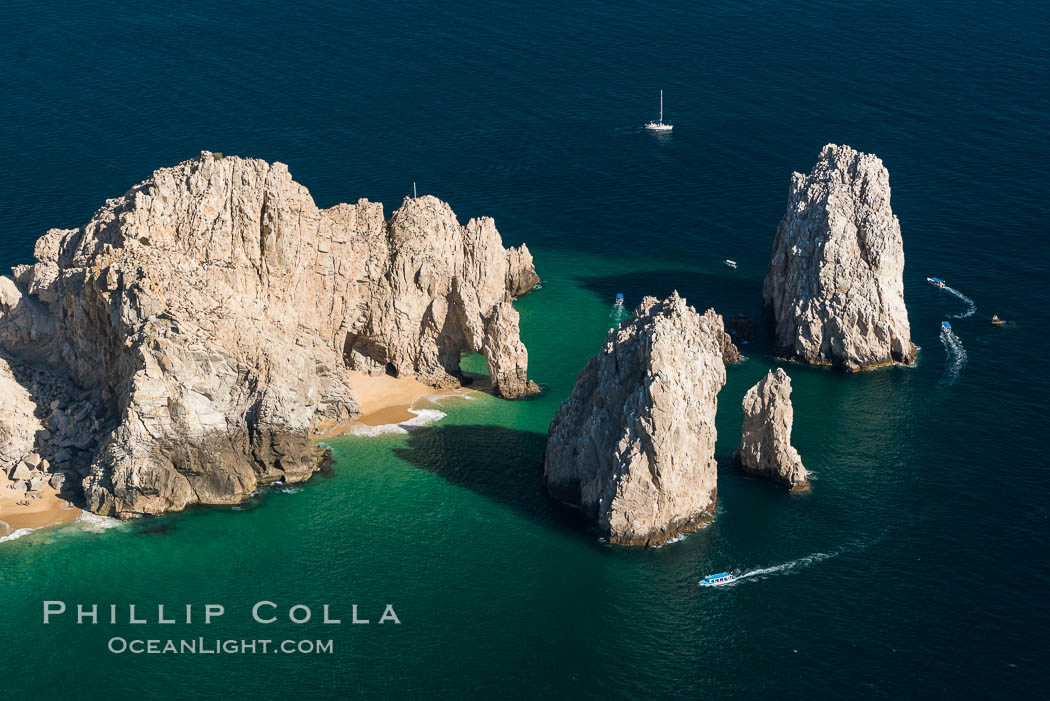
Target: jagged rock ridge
x: 633, y: 446
x: 765, y: 443
x: 834, y: 288
x: 213, y: 312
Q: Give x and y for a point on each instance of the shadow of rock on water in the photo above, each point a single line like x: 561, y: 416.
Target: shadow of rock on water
x: 730, y: 294
x: 501, y: 464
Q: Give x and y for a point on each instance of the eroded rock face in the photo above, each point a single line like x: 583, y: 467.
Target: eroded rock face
x: 765, y: 444
x: 213, y: 312
x: 834, y: 288
x: 18, y: 422
x: 633, y: 446
x: 730, y: 354
x: 507, y: 358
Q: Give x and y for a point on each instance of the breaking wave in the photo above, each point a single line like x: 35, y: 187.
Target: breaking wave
x: 16, y: 534
x: 971, y: 306
x: 956, y: 358
x: 93, y: 523
x: 422, y: 417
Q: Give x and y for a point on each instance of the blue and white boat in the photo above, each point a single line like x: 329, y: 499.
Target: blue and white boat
x: 935, y: 281
x: 718, y: 580
x: 619, y: 299
x: 729, y: 263
x: 946, y: 327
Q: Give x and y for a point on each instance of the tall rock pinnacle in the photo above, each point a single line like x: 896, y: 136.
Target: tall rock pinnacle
x: 633, y: 446
x: 834, y: 288
x: 765, y: 443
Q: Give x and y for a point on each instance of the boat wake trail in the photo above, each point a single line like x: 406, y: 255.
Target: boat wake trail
x: 971, y: 306
x: 786, y: 568
x: 617, y: 315
x: 956, y: 358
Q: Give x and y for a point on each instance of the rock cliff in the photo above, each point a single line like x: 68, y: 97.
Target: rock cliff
x: 765, y: 444
x: 834, y: 288
x: 212, y: 312
x: 633, y: 446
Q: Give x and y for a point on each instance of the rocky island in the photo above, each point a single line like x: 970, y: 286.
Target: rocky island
x: 633, y: 447
x: 765, y: 443
x: 834, y: 289
x: 185, y: 344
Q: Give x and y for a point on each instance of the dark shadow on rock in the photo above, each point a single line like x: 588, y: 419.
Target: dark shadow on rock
x: 501, y: 464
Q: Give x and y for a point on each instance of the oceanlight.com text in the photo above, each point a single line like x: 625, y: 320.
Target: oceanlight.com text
x: 214, y: 646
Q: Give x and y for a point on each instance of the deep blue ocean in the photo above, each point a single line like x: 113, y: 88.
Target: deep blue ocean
x: 916, y: 567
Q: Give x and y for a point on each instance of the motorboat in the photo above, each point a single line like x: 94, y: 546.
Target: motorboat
x: 946, y: 327
x: 729, y: 263
x: 718, y: 580
x: 659, y: 125
x: 935, y: 281
x: 619, y: 299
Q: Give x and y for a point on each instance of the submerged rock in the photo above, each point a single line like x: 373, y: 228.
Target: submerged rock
x: 834, y: 288
x: 765, y: 443
x: 189, y: 339
x: 633, y: 446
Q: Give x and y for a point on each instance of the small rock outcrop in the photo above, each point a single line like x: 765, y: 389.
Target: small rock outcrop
x: 633, y: 446
x: 184, y: 345
x: 730, y: 354
x: 835, y: 288
x: 765, y: 443
x: 507, y: 358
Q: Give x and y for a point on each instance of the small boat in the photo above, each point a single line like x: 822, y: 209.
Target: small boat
x: 619, y: 299
x: 946, y: 327
x: 659, y: 125
x: 729, y: 263
x: 935, y: 281
x: 718, y: 580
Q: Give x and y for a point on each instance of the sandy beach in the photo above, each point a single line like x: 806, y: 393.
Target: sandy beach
x: 46, y: 510
x: 386, y: 400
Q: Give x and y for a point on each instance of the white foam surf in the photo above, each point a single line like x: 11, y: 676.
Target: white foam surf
x: 971, y: 306
x: 16, y: 534
x: 423, y: 417
x: 956, y: 358
x: 93, y: 523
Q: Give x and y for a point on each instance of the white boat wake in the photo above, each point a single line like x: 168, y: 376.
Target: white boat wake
x: 956, y: 358
x: 971, y: 306
x: 786, y: 568
x: 618, y: 314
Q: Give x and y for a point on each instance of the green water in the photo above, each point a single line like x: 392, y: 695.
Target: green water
x: 497, y: 590
x: 916, y: 567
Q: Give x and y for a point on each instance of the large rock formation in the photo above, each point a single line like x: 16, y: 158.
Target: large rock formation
x: 633, y: 446
x: 765, y: 443
x: 834, y: 288
x: 214, y: 310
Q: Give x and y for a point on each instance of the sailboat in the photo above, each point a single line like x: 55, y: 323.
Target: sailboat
x: 659, y: 125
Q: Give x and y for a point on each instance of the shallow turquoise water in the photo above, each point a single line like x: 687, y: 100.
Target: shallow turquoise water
x: 915, y: 567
